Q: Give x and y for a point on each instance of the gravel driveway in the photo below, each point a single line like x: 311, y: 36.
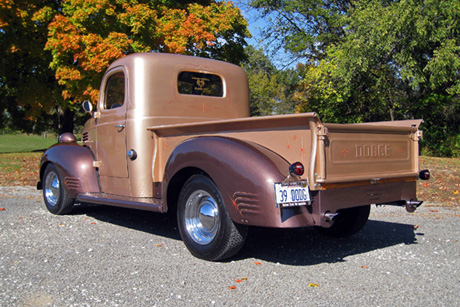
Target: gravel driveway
x: 105, y: 256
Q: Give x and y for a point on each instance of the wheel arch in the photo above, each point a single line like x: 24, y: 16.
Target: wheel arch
x: 176, y: 184
x: 75, y: 165
x: 244, y: 173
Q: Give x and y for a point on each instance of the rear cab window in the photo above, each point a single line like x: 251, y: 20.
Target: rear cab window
x: 200, y: 84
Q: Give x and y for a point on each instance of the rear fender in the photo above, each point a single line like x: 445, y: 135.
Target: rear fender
x: 244, y: 173
x: 75, y: 166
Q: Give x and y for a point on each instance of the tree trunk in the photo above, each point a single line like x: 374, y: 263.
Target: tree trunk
x: 392, y: 117
x: 66, y: 121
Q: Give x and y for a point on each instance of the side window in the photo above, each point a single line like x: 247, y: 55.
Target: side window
x: 115, y: 91
x: 194, y: 83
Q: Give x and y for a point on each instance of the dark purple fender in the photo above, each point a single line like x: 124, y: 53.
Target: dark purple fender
x: 244, y: 173
x: 75, y: 166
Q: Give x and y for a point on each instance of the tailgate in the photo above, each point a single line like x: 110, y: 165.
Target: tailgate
x: 357, y: 152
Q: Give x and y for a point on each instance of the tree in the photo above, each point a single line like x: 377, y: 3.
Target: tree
x: 27, y: 84
x: 389, y: 60
x: 270, y: 89
x: 82, y: 37
x: 303, y: 28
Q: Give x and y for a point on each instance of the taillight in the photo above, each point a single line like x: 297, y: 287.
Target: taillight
x: 296, y: 169
x: 425, y: 174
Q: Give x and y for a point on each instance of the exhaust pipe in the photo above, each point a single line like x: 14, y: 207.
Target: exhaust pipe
x: 330, y: 217
x: 412, y: 205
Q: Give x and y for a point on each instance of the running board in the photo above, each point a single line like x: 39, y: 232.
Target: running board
x: 141, y: 203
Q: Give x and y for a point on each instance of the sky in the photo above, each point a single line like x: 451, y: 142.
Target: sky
x: 256, y: 24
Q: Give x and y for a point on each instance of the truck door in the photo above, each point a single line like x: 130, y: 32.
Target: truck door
x: 111, y: 134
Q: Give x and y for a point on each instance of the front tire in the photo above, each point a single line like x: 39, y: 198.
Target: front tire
x: 348, y: 222
x: 204, y: 224
x: 57, y: 200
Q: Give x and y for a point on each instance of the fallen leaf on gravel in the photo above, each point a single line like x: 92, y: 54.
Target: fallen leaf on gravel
x: 456, y: 192
x: 239, y: 280
x: 232, y: 287
x: 434, y: 210
x: 2, y: 209
x: 244, y: 278
x: 158, y: 245
x: 257, y: 263
x: 93, y: 223
x: 364, y: 266
x: 415, y: 226
x: 313, y: 285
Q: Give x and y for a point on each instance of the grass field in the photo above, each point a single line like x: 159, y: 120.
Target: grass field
x: 20, y: 157
x: 21, y: 168
x: 24, y: 143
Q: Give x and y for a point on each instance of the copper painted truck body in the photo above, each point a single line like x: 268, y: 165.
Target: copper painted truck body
x: 140, y: 152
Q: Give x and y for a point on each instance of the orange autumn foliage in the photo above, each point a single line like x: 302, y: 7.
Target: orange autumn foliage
x: 87, y: 35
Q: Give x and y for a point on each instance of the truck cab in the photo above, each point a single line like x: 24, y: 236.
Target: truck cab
x: 144, y: 90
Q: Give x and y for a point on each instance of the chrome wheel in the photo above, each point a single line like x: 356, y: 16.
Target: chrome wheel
x: 201, y: 217
x: 204, y: 223
x: 57, y: 199
x: 52, y: 189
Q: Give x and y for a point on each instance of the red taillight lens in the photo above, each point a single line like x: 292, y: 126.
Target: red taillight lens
x: 296, y: 169
x: 425, y: 174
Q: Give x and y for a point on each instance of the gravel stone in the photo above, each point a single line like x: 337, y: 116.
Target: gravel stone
x: 107, y: 256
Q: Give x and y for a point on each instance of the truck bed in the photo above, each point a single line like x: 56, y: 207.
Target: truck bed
x: 332, y: 153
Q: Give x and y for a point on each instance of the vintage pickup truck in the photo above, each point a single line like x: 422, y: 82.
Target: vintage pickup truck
x: 173, y: 133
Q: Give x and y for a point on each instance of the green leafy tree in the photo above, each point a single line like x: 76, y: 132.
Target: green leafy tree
x: 304, y: 28
x: 270, y: 89
x: 390, y: 60
x: 27, y: 84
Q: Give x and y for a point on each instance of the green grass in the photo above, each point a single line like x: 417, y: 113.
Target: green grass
x: 24, y: 143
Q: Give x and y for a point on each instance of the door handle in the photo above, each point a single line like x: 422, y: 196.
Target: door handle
x: 120, y: 126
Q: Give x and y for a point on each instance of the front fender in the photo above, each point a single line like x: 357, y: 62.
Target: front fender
x: 75, y: 166
x: 244, y: 173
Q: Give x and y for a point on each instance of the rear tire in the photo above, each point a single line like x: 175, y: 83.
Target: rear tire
x: 204, y: 223
x: 57, y: 200
x: 348, y: 222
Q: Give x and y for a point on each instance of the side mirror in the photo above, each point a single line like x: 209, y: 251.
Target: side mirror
x: 87, y: 106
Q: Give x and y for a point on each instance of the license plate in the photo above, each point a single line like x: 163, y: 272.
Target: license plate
x: 291, y: 194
